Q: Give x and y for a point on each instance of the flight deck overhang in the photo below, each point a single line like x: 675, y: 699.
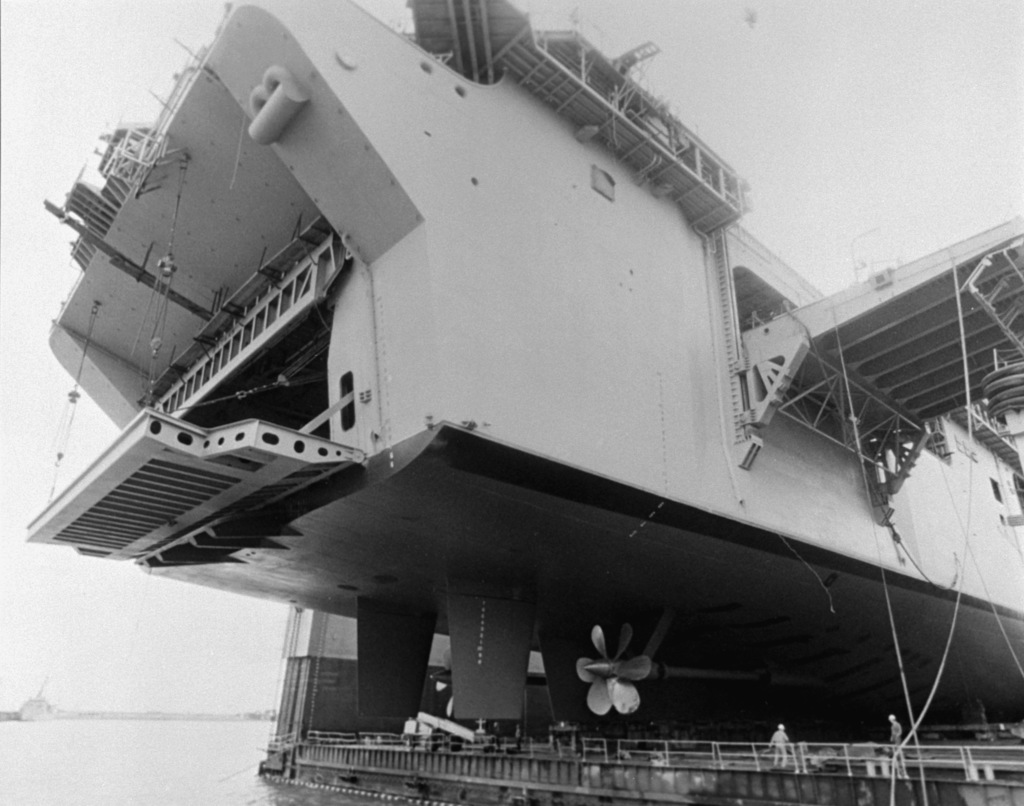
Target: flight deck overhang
x: 166, y: 489
x: 873, y: 367
x: 899, y: 334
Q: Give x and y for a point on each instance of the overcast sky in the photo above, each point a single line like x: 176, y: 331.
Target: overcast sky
x: 873, y: 131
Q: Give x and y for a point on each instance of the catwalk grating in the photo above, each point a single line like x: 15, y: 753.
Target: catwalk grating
x: 164, y: 480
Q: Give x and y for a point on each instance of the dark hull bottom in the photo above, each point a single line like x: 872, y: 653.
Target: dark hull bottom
x: 452, y: 510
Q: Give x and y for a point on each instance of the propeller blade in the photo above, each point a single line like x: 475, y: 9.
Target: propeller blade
x: 597, y: 636
x: 623, y: 695
x: 598, y: 700
x: 583, y: 672
x: 637, y: 668
x: 625, y: 636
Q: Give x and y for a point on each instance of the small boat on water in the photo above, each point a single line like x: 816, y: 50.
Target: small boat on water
x: 37, y: 708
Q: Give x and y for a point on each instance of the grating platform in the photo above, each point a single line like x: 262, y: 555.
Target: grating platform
x: 163, y: 480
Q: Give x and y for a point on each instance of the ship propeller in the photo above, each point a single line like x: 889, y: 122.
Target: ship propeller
x: 611, y: 678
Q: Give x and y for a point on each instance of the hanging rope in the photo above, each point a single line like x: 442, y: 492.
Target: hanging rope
x: 145, y: 318
x: 68, y: 417
x: 902, y: 550
x: 970, y: 471
x: 824, y: 587
x: 156, y: 339
x: 885, y: 584
x: 241, y: 394
x: 162, y: 288
x: 966, y: 528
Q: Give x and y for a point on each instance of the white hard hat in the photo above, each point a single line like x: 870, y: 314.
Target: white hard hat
x: 892, y: 718
x: 781, y: 726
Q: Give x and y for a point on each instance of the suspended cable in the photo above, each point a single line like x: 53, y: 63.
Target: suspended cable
x: 970, y: 468
x: 963, y: 350
x: 966, y: 528
x: 165, y: 278
x: 167, y: 270
x: 898, y: 540
x: 824, y: 587
x: 241, y: 394
x: 885, y: 582
x: 238, y: 153
x: 988, y: 596
x: 68, y: 417
x: 145, y: 317
x: 999, y: 621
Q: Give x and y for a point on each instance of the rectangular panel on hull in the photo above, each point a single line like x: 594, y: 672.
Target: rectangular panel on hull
x: 490, y: 654
x: 163, y: 478
x: 393, y: 648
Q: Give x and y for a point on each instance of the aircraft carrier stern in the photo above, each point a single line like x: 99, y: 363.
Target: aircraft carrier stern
x: 456, y: 346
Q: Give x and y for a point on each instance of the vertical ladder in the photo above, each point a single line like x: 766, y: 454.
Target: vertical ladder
x: 740, y: 413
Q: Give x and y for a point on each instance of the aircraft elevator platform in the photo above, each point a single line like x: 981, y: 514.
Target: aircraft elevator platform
x: 165, y: 481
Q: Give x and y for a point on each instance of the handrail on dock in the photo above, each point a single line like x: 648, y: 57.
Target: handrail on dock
x: 282, y: 741
x: 972, y: 762
x: 976, y: 762
x: 439, y: 767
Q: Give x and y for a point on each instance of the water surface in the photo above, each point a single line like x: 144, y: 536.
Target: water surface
x: 143, y: 763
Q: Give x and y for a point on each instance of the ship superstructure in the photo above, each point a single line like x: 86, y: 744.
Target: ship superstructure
x: 461, y: 335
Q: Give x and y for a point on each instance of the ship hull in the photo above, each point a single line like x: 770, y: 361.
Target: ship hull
x: 453, y: 510
x: 624, y: 455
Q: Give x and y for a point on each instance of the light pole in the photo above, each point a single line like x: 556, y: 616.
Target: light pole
x: 853, y: 257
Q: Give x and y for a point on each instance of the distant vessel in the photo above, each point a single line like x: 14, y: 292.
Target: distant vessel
x: 461, y: 336
x: 37, y: 709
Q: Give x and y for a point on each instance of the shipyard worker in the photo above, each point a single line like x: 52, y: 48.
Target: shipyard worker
x: 895, y: 739
x: 780, y: 745
x: 896, y: 732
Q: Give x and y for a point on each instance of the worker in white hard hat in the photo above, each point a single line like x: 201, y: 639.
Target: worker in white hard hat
x: 895, y: 739
x: 780, y: 745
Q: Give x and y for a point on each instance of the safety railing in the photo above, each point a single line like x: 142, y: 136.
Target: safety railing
x: 442, y: 742
x: 963, y: 762
x: 974, y: 763
x: 282, y: 741
x: 329, y: 737
x: 133, y: 151
x: 255, y: 325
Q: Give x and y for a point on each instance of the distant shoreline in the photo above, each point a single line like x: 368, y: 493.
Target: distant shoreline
x: 151, y: 715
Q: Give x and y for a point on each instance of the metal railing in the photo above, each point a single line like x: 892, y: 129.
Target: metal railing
x: 975, y: 763
x: 963, y: 762
x: 441, y: 742
x: 282, y: 741
x: 256, y: 325
x: 330, y: 737
x: 135, y: 150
